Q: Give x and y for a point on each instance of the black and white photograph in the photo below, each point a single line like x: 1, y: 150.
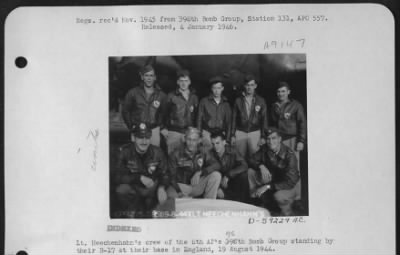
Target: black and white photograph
x: 200, y: 129
x: 208, y: 132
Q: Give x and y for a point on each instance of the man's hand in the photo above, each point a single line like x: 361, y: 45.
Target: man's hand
x: 261, y: 190
x: 224, y: 182
x: 148, y: 182
x: 220, y: 194
x: 180, y: 195
x: 265, y: 174
x: 164, y: 132
x: 261, y: 142
x: 300, y: 146
x: 131, y: 165
x: 233, y: 141
x: 196, y: 178
x: 161, y: 195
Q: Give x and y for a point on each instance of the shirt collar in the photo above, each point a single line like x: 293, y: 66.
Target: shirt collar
x: 228, y: 150
x: 186, y: 153
x: 217, y: 155
x: 178, y: 92
x: 149, y: 151
x: 156, y: 86
x: 289, y: 101
x: 281, y: 153
x: 244, y: 94
x: 223, y: 98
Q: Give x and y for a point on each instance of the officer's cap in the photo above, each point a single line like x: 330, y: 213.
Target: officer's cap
x: 272, y: 130
x: 216, y: 79
x: 146, y: 69
x: 182, y: 73
x: 141, y: 131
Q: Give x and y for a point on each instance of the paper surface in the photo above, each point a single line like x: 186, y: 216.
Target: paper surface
x: 57, y: 124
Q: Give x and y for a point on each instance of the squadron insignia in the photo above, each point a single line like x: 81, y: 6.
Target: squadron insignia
x: 151, y: 169
x: 200, y: 162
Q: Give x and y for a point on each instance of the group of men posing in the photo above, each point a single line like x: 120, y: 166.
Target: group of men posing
x: 214, y: 151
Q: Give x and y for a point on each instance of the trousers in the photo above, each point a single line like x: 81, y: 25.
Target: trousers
x: 155, y: 136
x: 237, y: 190
x: 284, y: 198
x: 174, y: 140
x: 247, y: 143
x: 207, y: 187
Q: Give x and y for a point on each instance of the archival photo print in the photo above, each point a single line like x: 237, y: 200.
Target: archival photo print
x: 208, y: 135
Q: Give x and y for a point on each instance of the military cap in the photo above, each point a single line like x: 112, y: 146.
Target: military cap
x: 182, y: 73
x: 283, y: 84
x: 142, y: 130
x: 272, y: 130
x: 216, y: 79
x: 146, y: 69
x: 192, y: 130
x: 249, y: 77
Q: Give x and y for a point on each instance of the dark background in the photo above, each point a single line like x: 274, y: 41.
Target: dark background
x: 268, y: 69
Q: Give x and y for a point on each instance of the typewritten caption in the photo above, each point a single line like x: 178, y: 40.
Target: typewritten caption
x: 206, y: 23
x: 210, y: 23
x: 230, y: 242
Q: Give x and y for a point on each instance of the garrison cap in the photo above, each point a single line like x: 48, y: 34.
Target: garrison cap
x: 249, y: 77
x: 182, y: 73
x: 192, y: 130
x: 283, y: 84
x: 146, y: 69
x: 216, y: 79
x: 142, y: 130
x: 272, y: 130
